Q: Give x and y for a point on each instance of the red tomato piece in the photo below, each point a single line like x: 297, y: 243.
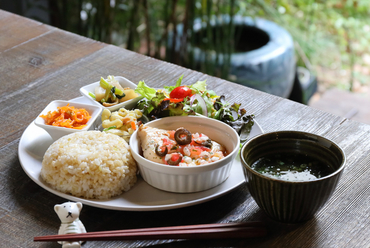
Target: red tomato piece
x: 175, y: 156
x: 203, y: 148
x: 166, y: 142
x: 181, y: 92
x: 195, y: 152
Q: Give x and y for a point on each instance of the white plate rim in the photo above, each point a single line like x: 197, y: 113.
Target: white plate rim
x: 29, y: 162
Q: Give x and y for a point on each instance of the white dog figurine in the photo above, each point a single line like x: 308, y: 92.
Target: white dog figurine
x: 69, y: 213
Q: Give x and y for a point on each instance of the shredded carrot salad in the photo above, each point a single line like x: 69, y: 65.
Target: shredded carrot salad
x: 67, y: 116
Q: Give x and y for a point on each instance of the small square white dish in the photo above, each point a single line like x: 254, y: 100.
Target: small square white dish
x: 57, y: 132
x: 124, y: 82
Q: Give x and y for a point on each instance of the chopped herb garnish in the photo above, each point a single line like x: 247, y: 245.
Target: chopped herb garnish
x: 109, y: 128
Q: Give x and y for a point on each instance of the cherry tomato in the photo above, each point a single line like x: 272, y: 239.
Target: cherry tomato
x: 181, y: 92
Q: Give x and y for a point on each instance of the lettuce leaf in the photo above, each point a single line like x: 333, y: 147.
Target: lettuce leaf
x: 199, y: 86
x: 145, y: 90
x: 170, y: 88
x: 155, y: 104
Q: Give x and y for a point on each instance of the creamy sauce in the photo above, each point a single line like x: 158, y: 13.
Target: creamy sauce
x: 192, y: 154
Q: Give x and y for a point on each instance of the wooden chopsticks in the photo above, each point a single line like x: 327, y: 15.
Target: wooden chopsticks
x: 205, y: 231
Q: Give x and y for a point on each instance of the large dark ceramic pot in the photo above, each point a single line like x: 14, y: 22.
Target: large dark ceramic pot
x: 263, y: 56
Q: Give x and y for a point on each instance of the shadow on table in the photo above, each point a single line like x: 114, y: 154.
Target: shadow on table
x: 279, y: 235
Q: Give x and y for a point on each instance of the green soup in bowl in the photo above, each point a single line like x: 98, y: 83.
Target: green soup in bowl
x: 292, y: 166
x: 291, y: 174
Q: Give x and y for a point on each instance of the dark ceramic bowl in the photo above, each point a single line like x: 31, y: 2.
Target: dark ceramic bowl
x: 291, y: 201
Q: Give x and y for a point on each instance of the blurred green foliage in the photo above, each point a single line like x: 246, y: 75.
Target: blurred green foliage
x: 333, y: 34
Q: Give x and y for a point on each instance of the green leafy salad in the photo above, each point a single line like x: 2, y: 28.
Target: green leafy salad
x: 195, y: 99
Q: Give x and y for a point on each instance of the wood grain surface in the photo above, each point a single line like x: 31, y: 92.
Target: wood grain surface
x: 40, y: 63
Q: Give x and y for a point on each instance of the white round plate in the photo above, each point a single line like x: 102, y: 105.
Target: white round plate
x: 142, y: 197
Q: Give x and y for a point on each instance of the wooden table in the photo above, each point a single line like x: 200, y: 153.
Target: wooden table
x: 39, y: 63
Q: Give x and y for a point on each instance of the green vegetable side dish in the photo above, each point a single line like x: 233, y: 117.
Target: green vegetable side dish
x: 292, y: 167
x: 195, y: 99
x: 109, y: 92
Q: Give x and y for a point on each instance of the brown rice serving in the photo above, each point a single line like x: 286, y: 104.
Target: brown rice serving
x: 90, y: 164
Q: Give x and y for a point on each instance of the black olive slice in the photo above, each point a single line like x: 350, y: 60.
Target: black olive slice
x: 182, y: 136
x: 159, y: 152
x: 207, y: 143
x: 170, y: 162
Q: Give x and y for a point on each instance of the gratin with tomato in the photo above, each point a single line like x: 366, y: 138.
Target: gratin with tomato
x: 179, y: 147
